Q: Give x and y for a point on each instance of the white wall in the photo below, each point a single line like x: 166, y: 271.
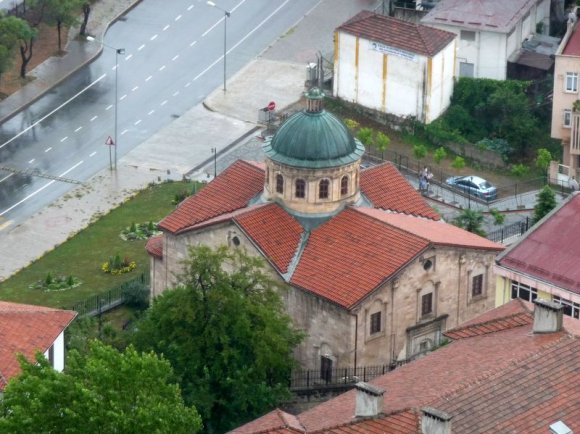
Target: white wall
x: 442, y: 80
x: 58, y: 345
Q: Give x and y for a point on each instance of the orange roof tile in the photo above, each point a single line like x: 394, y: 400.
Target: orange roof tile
x: 387, y: 189
x: 231, y: 190
x: 357, y: 253
x: 154, y: 246
x: 27, y: 329
x: 276, y: 233
x: 276, y: 421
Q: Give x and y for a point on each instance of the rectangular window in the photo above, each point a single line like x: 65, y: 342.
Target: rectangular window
x: 51, y: 355
x: 571, y: 82
x: 427, y: 304
x: 525, y: 292
x: 570, y: 308
x: 567, y: 118
x: 467, y: 35
x: 477, y: 285
x: 375, y: 323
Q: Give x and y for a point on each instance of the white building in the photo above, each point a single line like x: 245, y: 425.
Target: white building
x: 489, y: 31
x: 393, y: 66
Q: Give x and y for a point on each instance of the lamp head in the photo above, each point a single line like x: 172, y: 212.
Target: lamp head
x: 210, y: 3
x: 91, y: 39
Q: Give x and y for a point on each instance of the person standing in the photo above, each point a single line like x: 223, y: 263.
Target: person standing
x: 573, y: 184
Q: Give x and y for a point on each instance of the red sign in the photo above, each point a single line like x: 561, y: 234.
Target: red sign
x: 271, y: 105
x: 110, y: 141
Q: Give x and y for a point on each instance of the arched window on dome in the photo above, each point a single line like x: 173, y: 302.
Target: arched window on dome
x: 323, y: 189
x: 300, y: 189
x: 344, y: 186
x: 279, y: 184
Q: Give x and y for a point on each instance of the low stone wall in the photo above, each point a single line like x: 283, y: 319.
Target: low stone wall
x: 483, y: 156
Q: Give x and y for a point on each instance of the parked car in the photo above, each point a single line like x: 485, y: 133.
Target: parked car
x: 473, y: 185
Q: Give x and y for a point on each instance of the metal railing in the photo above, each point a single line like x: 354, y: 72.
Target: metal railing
x: 516, y: 229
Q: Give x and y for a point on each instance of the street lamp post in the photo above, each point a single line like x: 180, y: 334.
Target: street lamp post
x: 226, y: 16
x: 214, y: 152
x: 117, y: 52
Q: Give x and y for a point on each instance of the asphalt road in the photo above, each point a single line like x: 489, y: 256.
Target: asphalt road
x: 172, y: 59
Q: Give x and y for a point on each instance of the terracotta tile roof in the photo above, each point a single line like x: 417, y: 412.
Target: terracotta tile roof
x: 572, y: 47
x: 154, y: 246
x: 275, y: 232
x: 509, y: 322
x: 387, y: 189
x: 231, y: 190
x: 27, y: 329
x: 486, y: 15
x: 511, y: 308
x: 437, y: 232
x: 357, y: 253
x: 277, y: 421
x: 396, y: 33
x: 551, y: 251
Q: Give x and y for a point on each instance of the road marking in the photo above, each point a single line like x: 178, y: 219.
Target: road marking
x: 52, y: 112
x: 231, y: 12
x: 93, y: 118
x: 124, y: 131
x: 149, y: 78
x: 6, y: 224
x: 113, y: 68
x: 153, y: 37
x: 164, y: 102
x: 109, y: 107
x: 123, y: 97
x: 141, y: 47
x: 166, y: 27
x: 178, y: 17
x: 188, y: 84
x: 135, y: 88
x: 137, y: 122
x: 48, y: 149
x: 128, y: 57
x: 251, y: 32
x: 31, y: 161
x: 162, y: 68
x: 6, y: 177
x: 176, y: 93
x: 92, y: 154
x: 190, y: 7
x: 193, y: 43
x: 78, y: 129
x: 34, y: 193
x: 151, y: 112
x: 175, y: 57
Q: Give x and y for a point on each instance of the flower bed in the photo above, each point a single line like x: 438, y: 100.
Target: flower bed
x: 115, y: 265
x: 139, y: 231
x: 56, y: 283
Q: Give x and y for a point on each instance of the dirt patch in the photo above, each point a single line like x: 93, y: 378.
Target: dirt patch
x: 45, y: 46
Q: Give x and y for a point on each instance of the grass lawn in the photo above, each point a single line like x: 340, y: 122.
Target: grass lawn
x: 83, y: 255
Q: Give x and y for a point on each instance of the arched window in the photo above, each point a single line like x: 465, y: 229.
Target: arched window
x: 344, y: 186
x: 323, y: 189
x: 300, y: 188
x: 279, y: 184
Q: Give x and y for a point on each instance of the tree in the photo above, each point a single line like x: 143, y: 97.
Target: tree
x: 62, y: 13
x: 498, y: 216
x: 543, y: 159
x: 546, y: 203
x: 86, y: 14
x: 365, y: 135
x: 439, y: 155
x: 16, y: 32
x: 226, y: 335
x: 471, y: 221
x: 419, y: 151
x: 104, y: 391
x: 382, y: 142
x: 458, y: 163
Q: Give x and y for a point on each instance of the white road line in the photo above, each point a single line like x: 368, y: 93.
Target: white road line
x: 178, y: 17
x: 141, y: 47
x: 231, y: 12
x: 48, y: 149
x: 31, y: 161
x: 176, y: 93
x: 135, y: 88
x: 164, y: 102
x: 109, y: 107
x: 188, y: 84
x: 34, y: 193
x: 78, y: 129
x: 123, y: 97
x: 151, y: 112
x: 93, y: 118
x: 113, y: 68
x: 153, y: 37
x: 124, y: 131
x: 162, y: 68
x: 52, y: 112
x: 92, y: 154
x: 193, y: 43
x: 190, y: 7
x: 251, y: 32
x: 6, y: 177
x: 166, y: 27
x: 137, y: 122
x: 63, y: 139
x: 175, y: 57
x: 128, y: 57
x: 149, y: 78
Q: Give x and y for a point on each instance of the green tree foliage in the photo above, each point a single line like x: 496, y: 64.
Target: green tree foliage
x: 351, y: 124
x: 226, y: 335
x: 103, y: 392
x: 365, y: 135
x: 543, y: 159
x: 382, y: 142
x: 458, y: 163
x: 62, y: 13
x: 498, y: 217
x: 471, y: 221
x: 546, y: 203
x: 439, y: 155
x: 419, y: 151
x: 520, y: 170
x: 15, y: 33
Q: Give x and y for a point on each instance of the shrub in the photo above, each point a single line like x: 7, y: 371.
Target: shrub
x: 519, y: 170
x: 458, y: 163
x: 136, y: 294
x: 543, y: 158
x: 116, y: 266
x: 56, y: 283
x: 365, y: 135
x: 351, y: 124
x: 439, y: 155
x: 419, y: 151
x: 498, y: 217
x: 500, y: 146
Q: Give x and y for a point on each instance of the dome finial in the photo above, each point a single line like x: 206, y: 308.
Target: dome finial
x: 314, y: 100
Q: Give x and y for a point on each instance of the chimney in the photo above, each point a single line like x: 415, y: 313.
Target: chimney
x: 435, y: 421
x: 547, y: 316
x: 369, y: 400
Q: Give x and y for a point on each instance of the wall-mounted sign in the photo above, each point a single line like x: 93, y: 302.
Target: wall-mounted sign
x: 382, y: 48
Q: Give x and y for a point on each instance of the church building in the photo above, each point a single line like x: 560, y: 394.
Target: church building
x: 372, y: 274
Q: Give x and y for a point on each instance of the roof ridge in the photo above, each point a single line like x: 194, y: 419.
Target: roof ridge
x: 360, y: 211
x: 304, y: 237
x: 357, y: 420
x: 283, y: 414
x: 491, y: 321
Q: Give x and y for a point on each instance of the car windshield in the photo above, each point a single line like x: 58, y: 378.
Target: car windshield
x: 485, y: 184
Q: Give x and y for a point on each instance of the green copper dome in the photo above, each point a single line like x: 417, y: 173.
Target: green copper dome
x: 313, y: 139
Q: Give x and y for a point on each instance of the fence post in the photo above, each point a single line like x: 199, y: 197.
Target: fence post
x: 365, y: 373
x: 502, y: 235
x: 308, y: 378
x: 345, y: 375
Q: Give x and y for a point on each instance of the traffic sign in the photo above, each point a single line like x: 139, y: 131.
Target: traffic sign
x: 271, y: 106
x: 110, y: 141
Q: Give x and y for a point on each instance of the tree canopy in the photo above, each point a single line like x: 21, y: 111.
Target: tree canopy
x: 226, y: 335
x: 103, y: 391
x: 546, y: 203
x: 471, y: 221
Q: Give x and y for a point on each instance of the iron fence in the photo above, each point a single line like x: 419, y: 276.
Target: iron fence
x: 516, y: 229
